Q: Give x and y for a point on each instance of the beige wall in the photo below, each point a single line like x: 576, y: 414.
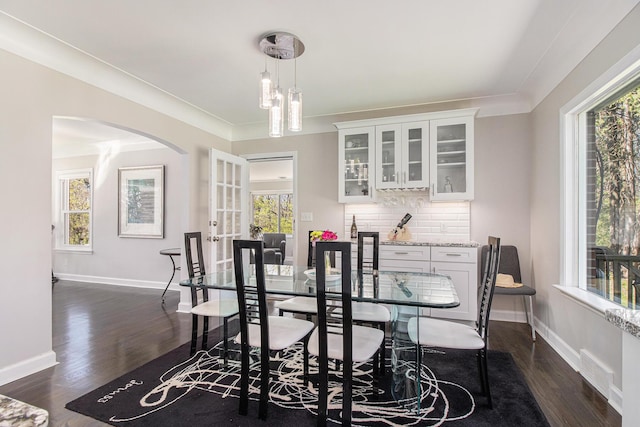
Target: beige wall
x: 317, y: 180
x: 569, y: 323
x: 501, y: 205
x: 31, y: 96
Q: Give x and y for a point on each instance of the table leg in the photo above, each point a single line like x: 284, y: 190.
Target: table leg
x: 173, y: 273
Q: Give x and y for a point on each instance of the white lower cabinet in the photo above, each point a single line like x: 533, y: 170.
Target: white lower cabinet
x: 459, y: 263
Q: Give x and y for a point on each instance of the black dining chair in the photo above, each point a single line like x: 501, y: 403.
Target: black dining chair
x: 430, y: 332
x: 368, y: 313
x: 225, y: 308
x: 336, y: 337
x: 510, y: 264
x: 305, y: 306
x: 257, y: 328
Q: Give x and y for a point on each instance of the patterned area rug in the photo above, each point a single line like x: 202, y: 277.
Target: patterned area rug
x: 178, y: 390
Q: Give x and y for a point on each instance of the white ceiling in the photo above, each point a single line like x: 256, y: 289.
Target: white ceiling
x: 361, y: 55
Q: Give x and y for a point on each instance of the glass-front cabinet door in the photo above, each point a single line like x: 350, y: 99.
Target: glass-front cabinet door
x: 452, y: 159
x: 415, y: 155
x: 389, y: 157
x: 356, y: 165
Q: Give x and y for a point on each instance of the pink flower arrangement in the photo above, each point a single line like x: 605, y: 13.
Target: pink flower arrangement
x: 324, y: 236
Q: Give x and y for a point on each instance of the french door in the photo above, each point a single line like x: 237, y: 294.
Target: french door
x: 228, y: 204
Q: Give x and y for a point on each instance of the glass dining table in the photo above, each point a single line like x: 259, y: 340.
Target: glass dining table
x: 407, y: 294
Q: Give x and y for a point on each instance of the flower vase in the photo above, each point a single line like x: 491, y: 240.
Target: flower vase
x: 327, y: 264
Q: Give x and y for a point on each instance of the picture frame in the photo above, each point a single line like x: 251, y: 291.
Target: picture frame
x: 141, y: 202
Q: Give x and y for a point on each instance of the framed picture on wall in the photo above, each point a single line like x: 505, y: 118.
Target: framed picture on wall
x: 141, y: 202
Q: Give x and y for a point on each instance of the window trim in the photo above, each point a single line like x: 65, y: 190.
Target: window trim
x: 573, y: 160
x: 59, y: 240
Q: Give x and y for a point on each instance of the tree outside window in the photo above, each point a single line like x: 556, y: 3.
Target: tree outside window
x: 75, y: 209
x: 273, y: 212
x: 613, y: 205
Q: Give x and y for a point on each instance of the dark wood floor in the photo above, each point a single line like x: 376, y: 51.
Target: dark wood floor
x: 101, y: 332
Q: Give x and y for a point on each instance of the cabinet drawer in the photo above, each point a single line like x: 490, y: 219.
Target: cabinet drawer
x: 413, y: 253
x: 402, y: 265
x: 454, y: 254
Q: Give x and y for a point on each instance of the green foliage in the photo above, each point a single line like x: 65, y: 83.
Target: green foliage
x: 617, y: 127
x: 273, y: 212
x: 77, y: 219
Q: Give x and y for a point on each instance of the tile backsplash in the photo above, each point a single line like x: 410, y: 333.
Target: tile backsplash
x: 440, y: 221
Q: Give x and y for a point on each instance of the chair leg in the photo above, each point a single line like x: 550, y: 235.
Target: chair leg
x: 244, y: 380
x: 264, y: 383
x: 205, y: 332
x: 481, y: 373
x: 226, y: 341
x: 323, y: 391
x: 383, y: 351
x: 305, y: 355
x: 485, y: 371
x: 530, y: 318
x: 347, y: 386
x: 194, y: 334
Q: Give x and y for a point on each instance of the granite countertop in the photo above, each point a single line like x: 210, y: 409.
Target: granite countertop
x: 16, y: 413
x: 626, y: 319
x: 468, y: 244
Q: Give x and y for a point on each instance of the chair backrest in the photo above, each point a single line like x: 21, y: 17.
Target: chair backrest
x: 335, y: 318
x: 195, y: 266
x: 372, y: 264
x: 252, y: 299
x: 311, y: 254
x: 490, y: 272
x: 274, y: 240
x: 509, y: 261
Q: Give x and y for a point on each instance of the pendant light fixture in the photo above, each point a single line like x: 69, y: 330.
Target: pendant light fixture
x: 281, y: 46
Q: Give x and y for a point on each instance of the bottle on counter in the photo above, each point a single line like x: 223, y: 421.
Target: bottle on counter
x: 354, y: 228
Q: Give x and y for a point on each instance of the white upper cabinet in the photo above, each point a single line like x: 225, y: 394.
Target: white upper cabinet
x: 452, y: 159
x: 402, y: 156
x: 431, y: 152
x: 388, y: 156
x: 356, y: 170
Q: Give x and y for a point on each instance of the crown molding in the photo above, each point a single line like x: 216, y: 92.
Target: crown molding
x: 30, y: 43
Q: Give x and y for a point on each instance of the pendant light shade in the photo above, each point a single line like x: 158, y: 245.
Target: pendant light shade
x: 295, y: 110
x: 265, y: 90
x: 281, y: 46
x: 276, y: 114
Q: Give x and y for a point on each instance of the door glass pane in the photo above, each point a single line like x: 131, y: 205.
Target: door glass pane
x: 237, y: 198
x: 356, y: 165
x: 451, y: 159
x: 219, y: 171
x: 220, y: 197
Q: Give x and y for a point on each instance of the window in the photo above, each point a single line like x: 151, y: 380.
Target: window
x: 612, y: 172
x: 74, y: 213
x: 601, y: 193
x: 273, y: 212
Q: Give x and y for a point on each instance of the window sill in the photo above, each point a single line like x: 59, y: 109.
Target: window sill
x: 74, y: 251
x: 588, y: 299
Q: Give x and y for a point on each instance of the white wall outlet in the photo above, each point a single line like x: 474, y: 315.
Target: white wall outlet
x: 443, y: 227
x: 306, y: 216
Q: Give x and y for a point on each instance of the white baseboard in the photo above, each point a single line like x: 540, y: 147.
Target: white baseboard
x: 591, y: 369
x: 508, y: 316
x: 615, y: 399
x: 27, y: 367
x: 148, y: 284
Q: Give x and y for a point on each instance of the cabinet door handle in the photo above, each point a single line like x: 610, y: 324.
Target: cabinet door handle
x: 401, y: 253
x: 432, y: 190
x: 405, y: 177
x: 450, y: 254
